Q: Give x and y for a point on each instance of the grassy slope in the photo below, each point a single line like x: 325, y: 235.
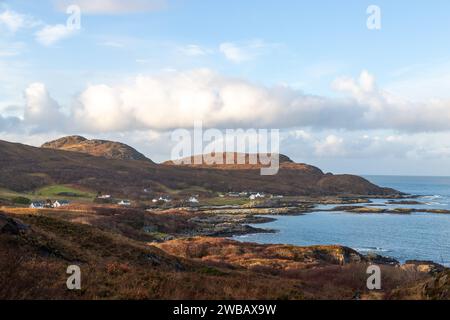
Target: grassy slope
x: 53, y: 192
x: 57, y: 190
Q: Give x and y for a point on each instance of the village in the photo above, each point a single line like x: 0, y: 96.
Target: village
x: 161, y: 200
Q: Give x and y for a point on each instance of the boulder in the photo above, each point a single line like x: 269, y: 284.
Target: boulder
x: 11, y: 226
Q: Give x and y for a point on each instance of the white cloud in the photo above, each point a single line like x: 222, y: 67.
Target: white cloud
x: 331, y: 146
x: 383, y: 109
x: 42, y: 112
x: 242, y: 52
x: 51, y: 34
x: 113, y: 6
x: 194, y: 50
x: 178, y: 99
x: 13, y: 21
x: 101, y: 107
x: 234, y: 53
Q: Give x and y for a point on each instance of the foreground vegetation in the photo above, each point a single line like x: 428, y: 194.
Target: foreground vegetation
x: 134, y: 254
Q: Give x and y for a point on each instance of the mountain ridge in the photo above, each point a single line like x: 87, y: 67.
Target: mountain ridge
x: 25, y: 168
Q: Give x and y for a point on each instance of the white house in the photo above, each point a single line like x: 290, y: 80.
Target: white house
x: 256, y: 196
x: 105, y: 196
x: 161, y: 199
x: 125, y: 203
x: 37, y: 205
x: 193, y: 200
x: 60, y: 203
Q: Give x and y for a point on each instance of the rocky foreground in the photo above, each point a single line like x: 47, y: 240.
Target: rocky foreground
x: 136, y: 254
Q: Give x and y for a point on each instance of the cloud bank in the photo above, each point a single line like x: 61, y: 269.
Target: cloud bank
x: 178, y: 99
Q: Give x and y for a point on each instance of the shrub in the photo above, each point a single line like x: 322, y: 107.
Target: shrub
x: 22, y: 200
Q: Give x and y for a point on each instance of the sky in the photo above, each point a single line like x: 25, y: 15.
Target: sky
x: 346, y: 97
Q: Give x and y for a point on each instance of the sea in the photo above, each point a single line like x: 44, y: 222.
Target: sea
x: 419, y: 236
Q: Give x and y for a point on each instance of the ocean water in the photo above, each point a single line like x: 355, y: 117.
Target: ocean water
x: 419, y: 236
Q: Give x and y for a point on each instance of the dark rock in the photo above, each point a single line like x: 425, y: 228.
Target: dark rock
x: 11, y: 226
x: 405, y: 202
x: 381, y: 260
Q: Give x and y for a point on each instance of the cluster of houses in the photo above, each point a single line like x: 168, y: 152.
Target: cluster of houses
x: 107, y: 198
x: 167, y: 199
x: 49, y: 204
x: 251, y: 195
x: 162, y: 199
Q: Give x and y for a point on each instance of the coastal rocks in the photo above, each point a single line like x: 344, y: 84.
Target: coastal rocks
x: 438, y: 211
x: 358, y: 209
x: 361, y: 209
x: 381, y: 260
x: 228, y: 225
x: 256, y: 211
x: 339, y: 255
x: 279, y: 204
x: 11, y: 226
x: 272, y: 258
x: 423, y: 266
x: 405, y: 202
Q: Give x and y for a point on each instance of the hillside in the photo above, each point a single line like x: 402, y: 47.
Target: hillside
x: 25, y: 168
x: 111, y: 247
x: 230, y: 160
x: 99, y: 148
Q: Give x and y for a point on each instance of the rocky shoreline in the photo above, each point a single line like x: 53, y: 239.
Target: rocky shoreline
x: 230, y: 221
x: 234, y: 220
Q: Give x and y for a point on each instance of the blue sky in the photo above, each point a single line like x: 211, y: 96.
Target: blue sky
x: 346, y: 98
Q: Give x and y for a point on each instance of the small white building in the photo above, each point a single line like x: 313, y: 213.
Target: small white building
x: 105, y: 196
x: 37, y: 205
x: 125, y: 203
x: 60, y: 203
x: 257, y: 196
x: 161, y: 199
x: 193, y: 200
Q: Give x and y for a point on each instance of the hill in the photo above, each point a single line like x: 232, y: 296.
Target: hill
x: 25, y: 168
x: 99, y: 148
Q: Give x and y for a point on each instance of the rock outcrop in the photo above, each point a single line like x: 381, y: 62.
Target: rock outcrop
x: 11, y: 226
x: 99, y: 148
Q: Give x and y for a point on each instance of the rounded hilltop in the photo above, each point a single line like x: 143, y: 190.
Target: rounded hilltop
x: 99, y: 148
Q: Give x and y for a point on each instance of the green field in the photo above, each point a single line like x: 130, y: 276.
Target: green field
x: 50, y: 192
x: 63, y: 191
